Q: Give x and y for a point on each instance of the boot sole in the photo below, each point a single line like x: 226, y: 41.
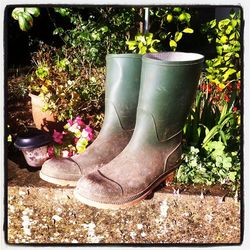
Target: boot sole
x: 139, y: 197
x: 56, y: 181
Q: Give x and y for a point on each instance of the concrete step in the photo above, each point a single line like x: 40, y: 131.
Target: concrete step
x: 39, y: 212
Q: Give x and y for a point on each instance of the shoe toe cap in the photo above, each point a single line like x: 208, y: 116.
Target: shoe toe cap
x: 61, y: 169
x: 97, y: 187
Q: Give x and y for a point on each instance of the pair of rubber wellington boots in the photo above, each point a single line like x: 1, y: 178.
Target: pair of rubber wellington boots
x: 146, y: 104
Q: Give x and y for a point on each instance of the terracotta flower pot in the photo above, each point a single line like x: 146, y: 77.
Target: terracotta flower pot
x: 43, y: 120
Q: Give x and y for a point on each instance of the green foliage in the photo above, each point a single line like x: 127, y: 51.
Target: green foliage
x: 68, y: 87
x: 212, y: 117
x: 211, y: 166
x: 18, y: 86
x: 24, y: 17
x: 212, y: 137
x: 222, y: 129
x: 97, y: 32
x: 142, y: 43
x: 173, y: 23
x: 226, y: 35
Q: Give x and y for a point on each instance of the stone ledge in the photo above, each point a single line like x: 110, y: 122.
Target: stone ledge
x: 39, y: 212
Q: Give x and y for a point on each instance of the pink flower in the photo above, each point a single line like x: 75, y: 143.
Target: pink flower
x: 70, y: 122
x: 51, y: 151
x: 88, y: 129
x: 76, y: 140
x: 70, y: 154
x: 57, y: 137
x: 90, y: 133
x: 79, y: 121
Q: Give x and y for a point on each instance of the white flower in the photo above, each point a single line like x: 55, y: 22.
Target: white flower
x: 84, y: 134
x: 139, y: 226
x: 74, y: 241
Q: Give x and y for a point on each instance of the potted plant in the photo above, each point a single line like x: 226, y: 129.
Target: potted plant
x: 61, y: 88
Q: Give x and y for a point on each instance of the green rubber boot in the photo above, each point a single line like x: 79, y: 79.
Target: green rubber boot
x: 168, y: 86
x: 121, y: 99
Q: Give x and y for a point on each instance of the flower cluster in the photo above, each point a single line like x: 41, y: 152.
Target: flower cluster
x: 219, y: 94
x: 72, y: 140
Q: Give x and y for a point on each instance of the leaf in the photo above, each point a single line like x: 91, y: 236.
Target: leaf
x: 238, y: 75
x: 142, y: 50
x: 217, y: 61
x: 223, y: 23
x: 28, y: 18
x: 223, y: 112
x: 140, y: 38
x: 223, y: 137
x: 212, y: 132
x: 23, y: 24
x: 16, y: 12
x: 178, y: 36
x: 33, y: 11
x: 172, y: 44
x: 232, y: 36
x: 58, y: 31
x: 234, y: 23
x: 152, y: 50
x: 219, y: 50
x: 212, y: 23
x: 104, y: 29
x: 231, y: 71
x: 177, y: 9
x: 188, y: 30
x: 229, y: 29
x: 232, y: 176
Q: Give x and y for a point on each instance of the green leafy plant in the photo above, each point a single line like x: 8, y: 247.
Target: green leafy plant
x: 225, y: 68
x: 222, y: 129
x: 97, y: 32
x: 210, y: 166
x: 214, y: 116
x: 24, y: 16
x: 174, y: 23
x: 142, y: 43
x: 67, y: 87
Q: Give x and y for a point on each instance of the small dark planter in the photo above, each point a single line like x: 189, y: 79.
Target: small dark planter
x: 34, y: 144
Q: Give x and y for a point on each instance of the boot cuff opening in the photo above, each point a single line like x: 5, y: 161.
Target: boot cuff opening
x: 174, y: 57
x: 129, y: 55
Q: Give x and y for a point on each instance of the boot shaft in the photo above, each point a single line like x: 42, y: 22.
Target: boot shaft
x: 168, y: 86
x: 123, y: 73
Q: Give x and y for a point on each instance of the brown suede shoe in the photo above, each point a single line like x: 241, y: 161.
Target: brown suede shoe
x: 168, y: 84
